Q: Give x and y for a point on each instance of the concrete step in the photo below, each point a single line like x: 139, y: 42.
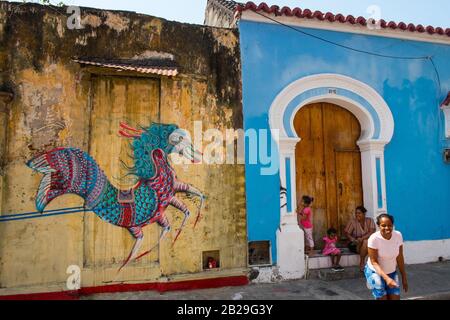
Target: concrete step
x: 330, y: 275
x: 319, y: 261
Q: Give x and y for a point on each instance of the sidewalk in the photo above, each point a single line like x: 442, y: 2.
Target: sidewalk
x: 426, y: 281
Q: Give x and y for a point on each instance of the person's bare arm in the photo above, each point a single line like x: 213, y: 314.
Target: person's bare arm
x: 299, y: 212
x: 347, y: 233
x: 373, y: 256
x: 349, y: 236
x: 401, y: 267
x: 302, y: 215
x: 368, y: 234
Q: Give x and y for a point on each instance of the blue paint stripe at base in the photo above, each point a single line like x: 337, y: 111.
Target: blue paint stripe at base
x: 288, y: 185
x: 379, y: 188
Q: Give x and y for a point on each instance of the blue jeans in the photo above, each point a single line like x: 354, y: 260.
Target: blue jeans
x: 378, y: 285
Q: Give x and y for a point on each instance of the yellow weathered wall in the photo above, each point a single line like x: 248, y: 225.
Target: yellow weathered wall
x: 52, y: 108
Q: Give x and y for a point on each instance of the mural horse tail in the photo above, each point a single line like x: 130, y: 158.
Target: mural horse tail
x: 72, y: 171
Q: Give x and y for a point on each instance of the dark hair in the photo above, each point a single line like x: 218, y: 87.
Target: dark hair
x: 307, y: 199
x: 362, y: 209
x: 331, y: 231
x: 384, y: 215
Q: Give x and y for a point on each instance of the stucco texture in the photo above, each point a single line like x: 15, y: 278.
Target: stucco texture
x: 59, y: 103
x: 274, y: 56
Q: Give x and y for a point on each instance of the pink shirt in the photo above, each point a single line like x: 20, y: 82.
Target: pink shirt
x: 329, y: 243
x: 307, y: 224
x: 330, y: 246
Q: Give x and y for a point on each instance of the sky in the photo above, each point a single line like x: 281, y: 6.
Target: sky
x: 425, y: 12
x: 430, y: 12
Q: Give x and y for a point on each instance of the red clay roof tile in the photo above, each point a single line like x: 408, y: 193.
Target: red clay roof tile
x: 306, y: 13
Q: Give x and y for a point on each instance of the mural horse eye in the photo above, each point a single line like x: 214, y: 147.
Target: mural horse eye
x: 70, y: 170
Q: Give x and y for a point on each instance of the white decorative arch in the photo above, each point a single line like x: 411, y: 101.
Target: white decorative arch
x: 333, y: 82
x: 377, y: 129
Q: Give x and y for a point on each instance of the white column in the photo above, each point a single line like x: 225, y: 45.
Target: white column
x: 290, y: 238
x: 287, y: 151
x: 446, y: 110
x: 370, y: 152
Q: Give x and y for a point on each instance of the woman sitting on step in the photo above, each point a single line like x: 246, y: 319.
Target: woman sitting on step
x: 358, y: 231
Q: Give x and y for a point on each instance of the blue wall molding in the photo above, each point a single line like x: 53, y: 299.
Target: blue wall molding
x: 346, y: 98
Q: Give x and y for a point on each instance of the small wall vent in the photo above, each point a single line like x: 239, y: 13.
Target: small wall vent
x: 259, y: 253
x: 211, y: 260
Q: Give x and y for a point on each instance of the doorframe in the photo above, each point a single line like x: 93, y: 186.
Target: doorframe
x: 377, y: 129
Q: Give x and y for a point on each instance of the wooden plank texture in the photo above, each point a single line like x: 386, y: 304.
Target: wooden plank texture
x: 328, y: 164
x: 116, y: 99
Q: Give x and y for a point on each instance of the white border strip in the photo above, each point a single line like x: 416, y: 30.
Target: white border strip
x: 416, y: 252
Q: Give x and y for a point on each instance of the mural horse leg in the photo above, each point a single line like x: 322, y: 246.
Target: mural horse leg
x: 164, y: 224
x: 137, y: 233
x: 176, y: 203
x: 191, y: 191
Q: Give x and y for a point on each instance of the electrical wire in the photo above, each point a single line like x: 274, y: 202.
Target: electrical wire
x: 341, y: 45
x: 430, y: 58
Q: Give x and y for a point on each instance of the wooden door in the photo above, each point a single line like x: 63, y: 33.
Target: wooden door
x: 116, y: 99
x: 349, y: 182
x: 328, y: 165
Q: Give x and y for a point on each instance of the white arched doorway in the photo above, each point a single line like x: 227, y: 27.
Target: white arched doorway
x: 377, y: 128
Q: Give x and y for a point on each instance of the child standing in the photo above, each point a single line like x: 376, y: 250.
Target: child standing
x: 331, y: 250
x: 304, y: 218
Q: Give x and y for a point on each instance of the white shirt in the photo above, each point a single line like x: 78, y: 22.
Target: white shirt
x: 388, y: 250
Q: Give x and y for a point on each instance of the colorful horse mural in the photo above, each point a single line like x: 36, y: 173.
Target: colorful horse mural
x: 70, y: 170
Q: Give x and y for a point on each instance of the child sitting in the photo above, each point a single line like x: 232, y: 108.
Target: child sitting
x: 331, y: 250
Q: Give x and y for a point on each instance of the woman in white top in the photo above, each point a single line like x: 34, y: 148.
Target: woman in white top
x: 385, y: 254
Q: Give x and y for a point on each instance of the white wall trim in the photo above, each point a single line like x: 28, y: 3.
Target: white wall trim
x: 335, y: 81
x: 416, y: 252
x: 446, y: 110
x: 347, y: 27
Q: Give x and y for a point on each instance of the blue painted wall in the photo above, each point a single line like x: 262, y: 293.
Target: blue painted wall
x: 417, y: 180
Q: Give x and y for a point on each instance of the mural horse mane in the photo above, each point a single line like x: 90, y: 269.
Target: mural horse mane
x: 70, y: 170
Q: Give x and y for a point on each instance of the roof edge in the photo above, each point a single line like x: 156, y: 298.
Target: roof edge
x: 341, y: 20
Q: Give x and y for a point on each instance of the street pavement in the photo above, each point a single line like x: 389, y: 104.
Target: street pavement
x: 426, y: 281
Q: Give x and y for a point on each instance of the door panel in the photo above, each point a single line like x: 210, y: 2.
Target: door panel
x: 348, y: 179
x: 326, y: 156
x: 310, y: 164
x: 116, y: 99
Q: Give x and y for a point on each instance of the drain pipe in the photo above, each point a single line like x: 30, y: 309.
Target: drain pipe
x: 5, y: 99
